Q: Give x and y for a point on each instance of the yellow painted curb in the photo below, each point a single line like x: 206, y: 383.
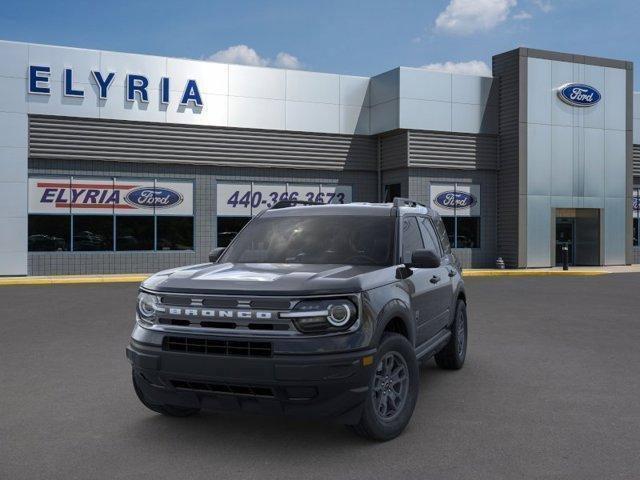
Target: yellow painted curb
x: 532, y: 273
x: 63, y: 279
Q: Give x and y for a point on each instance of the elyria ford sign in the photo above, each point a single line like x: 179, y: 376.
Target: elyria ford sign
x: 578, y: 94
x: 136, y: 86
x: 452, y: 200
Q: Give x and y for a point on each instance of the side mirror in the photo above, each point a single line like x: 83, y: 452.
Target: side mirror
x: 215, y: 254
x: 424, y: 259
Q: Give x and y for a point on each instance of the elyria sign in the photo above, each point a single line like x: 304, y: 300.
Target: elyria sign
x: 579, y: 94
x: 453, y: 200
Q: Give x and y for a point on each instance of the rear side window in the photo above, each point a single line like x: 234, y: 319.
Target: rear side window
x: 411, y: 238
x: 442, y: 234
x: 429, y: 236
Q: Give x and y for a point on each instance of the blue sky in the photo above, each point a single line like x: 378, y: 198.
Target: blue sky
x: 362, y: 38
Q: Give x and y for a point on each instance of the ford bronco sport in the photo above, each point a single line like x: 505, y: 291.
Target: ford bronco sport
x: 312, y: 310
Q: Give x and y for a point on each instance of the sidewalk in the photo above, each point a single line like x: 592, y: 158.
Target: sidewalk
x: 468, y: 272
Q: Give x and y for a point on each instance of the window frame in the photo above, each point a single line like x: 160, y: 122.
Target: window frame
x: 401, y: 235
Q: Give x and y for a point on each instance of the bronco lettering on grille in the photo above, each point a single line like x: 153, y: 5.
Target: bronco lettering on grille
x: 217, y: 313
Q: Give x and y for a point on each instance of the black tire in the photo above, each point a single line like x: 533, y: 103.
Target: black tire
x: 168, y: 410
x: 452, y: 356
x: 383, y: 426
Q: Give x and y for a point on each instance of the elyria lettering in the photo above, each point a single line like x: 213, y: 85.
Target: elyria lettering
x: 136, y: 86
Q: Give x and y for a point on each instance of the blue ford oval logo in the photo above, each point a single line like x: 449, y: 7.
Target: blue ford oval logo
x: 149, y: 197
x: 636, y: 203
x: 579, y: 94
x: 453, y: 200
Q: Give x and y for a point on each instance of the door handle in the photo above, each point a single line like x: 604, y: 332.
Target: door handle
x: 435, y: 279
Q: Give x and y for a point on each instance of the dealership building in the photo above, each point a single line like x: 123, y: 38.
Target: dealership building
x: 117, y: 162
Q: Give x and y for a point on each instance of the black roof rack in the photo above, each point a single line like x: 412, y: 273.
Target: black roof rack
x: 292, y: 203
x: 405, y: 202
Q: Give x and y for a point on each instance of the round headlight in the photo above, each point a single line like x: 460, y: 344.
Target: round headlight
x: 339, y: 315
x: 146, y: 305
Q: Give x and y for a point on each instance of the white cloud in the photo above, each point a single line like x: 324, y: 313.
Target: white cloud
x: 286, y: 60
x: 473, y: 67
x: 522, y: 15
x: 245, y: 55
x: 545, y: 6
x: 464, y: 17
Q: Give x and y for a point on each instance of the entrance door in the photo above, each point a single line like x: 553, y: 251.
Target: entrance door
x: 565, y: 229
x: 579, y: 230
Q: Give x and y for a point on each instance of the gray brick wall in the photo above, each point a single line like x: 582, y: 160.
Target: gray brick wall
x: 205, y: 178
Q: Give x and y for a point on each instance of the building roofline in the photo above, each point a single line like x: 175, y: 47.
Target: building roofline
x: 569, y: 57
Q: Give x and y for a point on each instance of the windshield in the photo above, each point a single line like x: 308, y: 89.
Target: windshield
x: 318, y: 239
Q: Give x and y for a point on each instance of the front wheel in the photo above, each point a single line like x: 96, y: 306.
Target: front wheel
x: 452, y: 356
x: 393, y: 390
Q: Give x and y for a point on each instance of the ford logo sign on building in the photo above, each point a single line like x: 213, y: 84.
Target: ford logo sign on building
x: 579, y: 95
x: 146, y: 197
x: 451, y: 200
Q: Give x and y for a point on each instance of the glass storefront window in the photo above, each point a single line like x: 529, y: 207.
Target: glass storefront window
x: 92, y: 233
x: 134, y: 233
x: 175, y: 233
x: 49, y: 233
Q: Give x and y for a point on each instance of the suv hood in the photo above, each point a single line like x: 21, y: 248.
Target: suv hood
x: 270, y: 279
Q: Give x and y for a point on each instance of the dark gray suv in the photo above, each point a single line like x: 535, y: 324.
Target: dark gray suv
x: 312, y: 311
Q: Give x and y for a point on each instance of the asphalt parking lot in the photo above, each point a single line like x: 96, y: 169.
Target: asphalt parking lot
x: 551, y: 389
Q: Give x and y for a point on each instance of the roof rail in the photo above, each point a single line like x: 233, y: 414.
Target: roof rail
x: 405, y: 202
x: 292, y: 203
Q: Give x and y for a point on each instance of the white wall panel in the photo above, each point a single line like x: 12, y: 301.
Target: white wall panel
x: 13, y: 164
x: 538, y: 159
x: 116, y: 107
x: 561, y: 113
x: 539, y: 91
x: 594, y: 171
x: 616, y: 98
x: 245, y: 81
x: 354, y: 91
x: 423, y: 84
x: 13, y: 94
x: 385, y: 87
x: 615, y: 163
x: 385, y: 116
x: 312, y: 117
x: 256, y: 113
x: 593, y: 117
x: 470, y: 89
x: 313, y: 87
x: 561, y: 160
x: 425, y: 115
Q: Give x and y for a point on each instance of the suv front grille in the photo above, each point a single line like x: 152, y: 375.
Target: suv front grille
x: 247, y: 390
x: 208, y: 346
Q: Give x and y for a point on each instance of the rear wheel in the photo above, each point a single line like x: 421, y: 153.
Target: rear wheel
x: 452, y: 356
x: 169, y: 410
x: 393, y: 390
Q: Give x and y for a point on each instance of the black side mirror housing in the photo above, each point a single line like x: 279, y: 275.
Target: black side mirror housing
x: 424, y: 259
x: 215, y: 254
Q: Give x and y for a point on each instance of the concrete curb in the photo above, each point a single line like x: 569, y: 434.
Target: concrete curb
x: 73, y: 279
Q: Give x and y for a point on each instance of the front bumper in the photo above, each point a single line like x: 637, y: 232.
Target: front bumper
x: 331, y: 385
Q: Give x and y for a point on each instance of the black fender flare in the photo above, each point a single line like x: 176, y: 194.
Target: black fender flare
x: 395, y: 309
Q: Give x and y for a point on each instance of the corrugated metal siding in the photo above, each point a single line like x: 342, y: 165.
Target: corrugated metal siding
x: 115, y: 140
x: 636, y: 160
x: 394, y: 150
x: 464, y: 151
x: 506, y: 71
